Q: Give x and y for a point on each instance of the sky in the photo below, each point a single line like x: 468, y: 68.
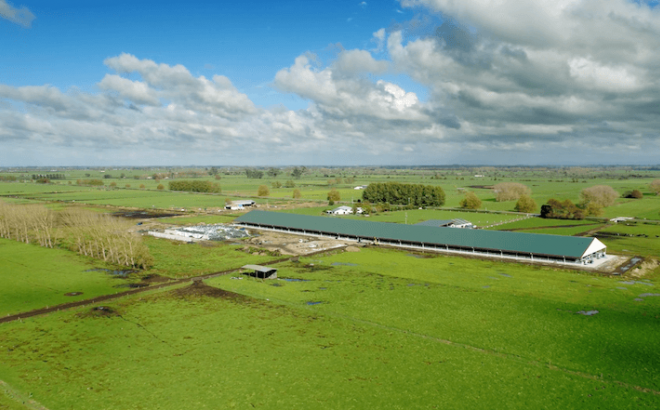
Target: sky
x: 343, y: 83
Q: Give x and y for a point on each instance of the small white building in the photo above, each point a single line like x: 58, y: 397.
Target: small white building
x: 342, y: 210
x: 239, y: 204
x: 361, y: 187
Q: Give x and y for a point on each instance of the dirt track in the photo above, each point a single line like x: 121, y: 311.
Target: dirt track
x: 64, y: 306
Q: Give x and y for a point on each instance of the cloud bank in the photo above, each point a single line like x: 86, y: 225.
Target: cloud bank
x: 22, y: 16
x: 544, y: 82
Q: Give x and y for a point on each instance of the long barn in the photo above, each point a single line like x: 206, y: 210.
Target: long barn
x: 566, y: 249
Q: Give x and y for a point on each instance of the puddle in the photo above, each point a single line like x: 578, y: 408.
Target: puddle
x: 73, y: 294
x: 636, y: 282
x: 314, y: 303
x: 486, y: 287
x: 622, y: 288
x: 113, y: 272
x: 411, y: 284
x: 294, y: 280
x: 639, y: 300
x: 492, y: 277
x: 646, y: 295
x: 505, y: 275
x: 343, y: 264
x: 277, y: 285
x: 587, y: 313
x: 323, y: 288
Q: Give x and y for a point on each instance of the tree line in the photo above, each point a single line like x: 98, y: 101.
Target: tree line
x: 404, y: 194
x: 48, y: 176
x: 195, y: 186
x: 87, y: 233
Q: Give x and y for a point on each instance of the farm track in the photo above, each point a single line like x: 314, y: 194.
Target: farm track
x: 86, y: 302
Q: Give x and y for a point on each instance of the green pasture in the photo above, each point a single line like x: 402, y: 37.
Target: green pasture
x: 33, y: 277
x: 563, y: 231
x: 315, y: 186
x: 645, y: 246
x: 413, y: 216
x: 180, y: 259
x: 525, y: 312
x: 193, y: 352
x: 540, y: 223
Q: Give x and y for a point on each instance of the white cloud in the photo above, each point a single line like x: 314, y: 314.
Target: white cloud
x: 22, y: 16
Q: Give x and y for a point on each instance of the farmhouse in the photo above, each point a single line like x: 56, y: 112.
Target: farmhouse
x: 343, y: 210
x: 534, y: 247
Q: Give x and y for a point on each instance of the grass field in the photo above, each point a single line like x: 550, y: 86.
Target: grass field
x: 34, y: 277
x: 540, y: 223
x: 314, y: 186
x: 180, y: 259
x: 432, y: 333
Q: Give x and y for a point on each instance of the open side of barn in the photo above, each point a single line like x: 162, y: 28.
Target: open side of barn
x: 533, y: 247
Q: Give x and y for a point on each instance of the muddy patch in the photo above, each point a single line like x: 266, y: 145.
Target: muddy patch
x: 481, y: 186
x: 344, y: 264
x: 73, y: 294
x: 154, y: 279
x: 630, y: 264
x: 647, y: 295
x: 200, y: 289
x: 294, y: 280
x: 505, y: 275
x: 101, y: 311
x: 420, y: 255
x: 122, y: 273
x: 143, y: 214
x: 132, y: 285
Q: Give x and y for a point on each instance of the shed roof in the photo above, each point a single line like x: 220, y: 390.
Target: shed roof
x: 538, y: 244
x: 259, y: 268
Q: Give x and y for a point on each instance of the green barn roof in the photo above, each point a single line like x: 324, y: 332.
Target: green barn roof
x: 537, y: 244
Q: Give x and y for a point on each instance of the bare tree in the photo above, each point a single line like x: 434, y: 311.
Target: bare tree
x: 510, y: 191
x: 601, y: 195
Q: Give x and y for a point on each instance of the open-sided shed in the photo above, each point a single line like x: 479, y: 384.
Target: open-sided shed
x: 488, y: 243
x: 261, y: 272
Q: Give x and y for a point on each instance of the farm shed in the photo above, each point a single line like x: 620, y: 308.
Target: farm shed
x: 567, y: 249
x: 261, y: 272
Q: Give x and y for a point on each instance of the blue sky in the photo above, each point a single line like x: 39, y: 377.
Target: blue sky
x: 247, y: 41
x: 329, y: 82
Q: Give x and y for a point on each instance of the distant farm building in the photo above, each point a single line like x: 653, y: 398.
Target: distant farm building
x: 239, y: 204
x: 496, y: 244
x: 361, y: 187
x: 449, y: 223
x: 343, y: 210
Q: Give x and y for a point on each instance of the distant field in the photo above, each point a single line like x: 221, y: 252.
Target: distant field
x: 540, y: 222
x: 564, y: 231
x: 315, y: 186
x: 649, y: 246
x: 415, y: 215
x: 374, y: 329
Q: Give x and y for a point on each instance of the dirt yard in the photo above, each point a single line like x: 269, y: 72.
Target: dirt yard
x: 293, y: 244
